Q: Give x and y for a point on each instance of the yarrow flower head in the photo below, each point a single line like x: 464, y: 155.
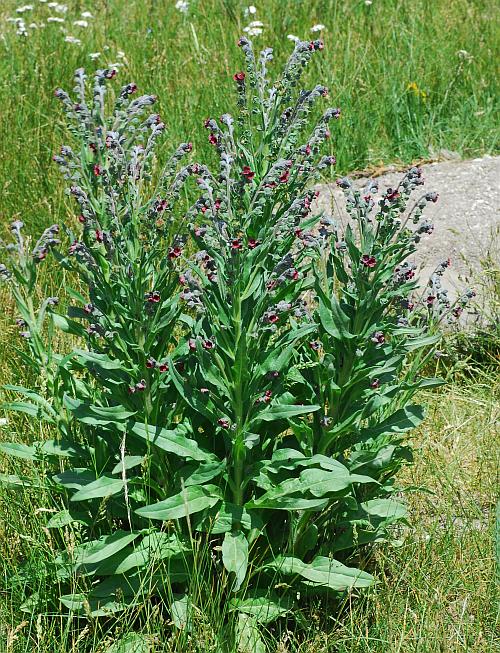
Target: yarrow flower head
x: 318, y: 28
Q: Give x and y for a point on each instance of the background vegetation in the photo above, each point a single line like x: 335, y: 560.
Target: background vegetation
x: 412, y: 78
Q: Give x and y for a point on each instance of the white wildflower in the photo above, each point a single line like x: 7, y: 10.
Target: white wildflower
x: 250, y: 11
x: 4, y: 421
x: 86, y: 14
x: 72, y: 39
x: 254, y: 28
x: 120, y: 54
x: 113, y: 65
x: 80, y: 23
x: 182, y: 6
x: 55, y: 19
x: 318, y: 28
x: 292, y: 37
x: 33, y: 26
x: 21, y: 10
x: 368, y: 2
x: 94, y: 55
x: 253, y: 31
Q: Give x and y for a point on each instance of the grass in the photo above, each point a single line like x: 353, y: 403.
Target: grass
x: 406, y: 93
x: 412, y: 78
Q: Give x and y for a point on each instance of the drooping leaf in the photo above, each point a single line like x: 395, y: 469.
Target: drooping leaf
x: 18, y: 450
x: 99, y: 550
x: 96, y: 415
x: 128, y: 462
x: 173, y: 441
x: 386, y: 508
x: 264, y: 608
x: 284, y: 411
x: 323, y: 572
x: 104, y: 486
x: 191, y: 500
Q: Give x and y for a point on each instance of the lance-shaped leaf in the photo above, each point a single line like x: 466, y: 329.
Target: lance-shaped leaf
x: 283, y: 411
x: 96, y: 415
x: 323, y: 572
x: 104, y: 486
x: 98, y: 550
x: 235, y: 557
x: 191, y: 500
x: 263, y: 607
x: 173, y: 441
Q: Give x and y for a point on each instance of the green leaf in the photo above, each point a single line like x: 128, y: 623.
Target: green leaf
x: 96, y: 415
x: 386, y: 508
x: 152, y: 548
x: 191, y: 500
x: 284, y: 411
x: 181, y: 612
x: 323, y: 572
x: 201, y: 474
x: 262, y: 608
x: 248, y: 635
x: 173, y: 441
x: 235, y: 556
x: 18, y: 450
x: 130, y: 643
x: 401, y: 421
x: 63, y: 448
x: 74, y: 479
x: 12, y: 481
x: 128, y: 462
x: 34, y: 396
x: 333, y: 319
x: 99, y: 550
x: 25, y: 407
x: 225, y: 519
x: 104, y: 486
x: 65, y: 517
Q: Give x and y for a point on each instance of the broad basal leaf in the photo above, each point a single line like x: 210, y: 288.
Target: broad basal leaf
x: 235, y: 557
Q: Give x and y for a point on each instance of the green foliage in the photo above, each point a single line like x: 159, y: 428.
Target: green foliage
x: 241, y: 380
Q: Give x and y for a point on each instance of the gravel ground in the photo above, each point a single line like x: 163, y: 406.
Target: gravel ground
x: 466, y: 217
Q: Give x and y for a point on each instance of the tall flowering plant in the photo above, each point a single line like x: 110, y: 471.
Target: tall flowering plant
x: 241, y: 382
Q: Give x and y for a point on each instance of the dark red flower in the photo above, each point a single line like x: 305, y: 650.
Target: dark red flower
x: 192, y: 344
x: 314, y: 345
x: 236, y: 244
x: 285, y: 176
x: 298, y: 232
x: 272, y: 318
x: 174, y: 252
x: 97, y: 170
x: 239, y: 77
x: 248, y: 173
x: 163, y: 367
x: 93, y: 147
x: 99, y: 236
x: 141, y: 385
x: 223, y: 422
x: 212, y: 139
x: 252, y: 243
x: 368, y: 261
x: 81, y: 218
x: 208, y: 344
x: 375, y: 384
x: 150, y: 363
x: 217, y: 204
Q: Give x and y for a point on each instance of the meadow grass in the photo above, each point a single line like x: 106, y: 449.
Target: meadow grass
x: 411, y: 78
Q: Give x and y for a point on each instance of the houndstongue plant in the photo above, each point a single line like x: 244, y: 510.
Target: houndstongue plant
x: 241, y: 381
